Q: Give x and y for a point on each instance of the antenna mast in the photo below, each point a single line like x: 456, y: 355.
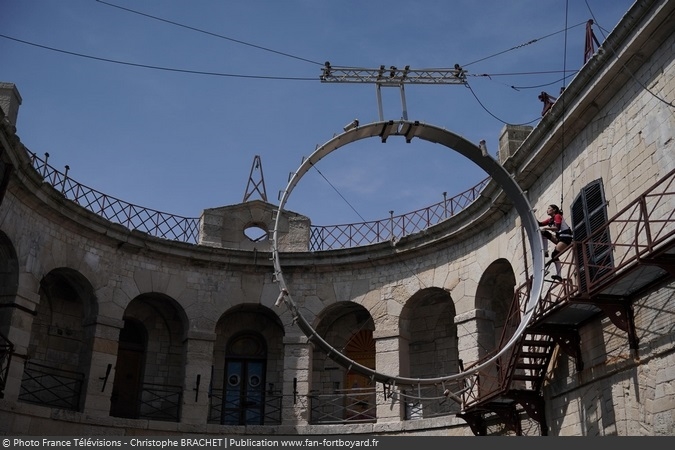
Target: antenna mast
x: 253, y: 185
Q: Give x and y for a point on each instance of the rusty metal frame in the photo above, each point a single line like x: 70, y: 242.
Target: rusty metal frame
x: 642, y: 234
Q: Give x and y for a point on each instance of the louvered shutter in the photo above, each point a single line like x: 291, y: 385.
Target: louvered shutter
x: 589, y: 216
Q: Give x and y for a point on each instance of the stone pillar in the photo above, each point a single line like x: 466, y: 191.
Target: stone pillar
x: 391, y: 350
x: 297, y: 363
x: 511, y: 138
x: 476, y: 337
x: 199, y: 351
x: 105, y: 334
x: 20, y: 315
x: 475, y: 334
x: 10, y: 100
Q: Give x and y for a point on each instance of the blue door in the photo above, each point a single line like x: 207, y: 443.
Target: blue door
x: 243, y: 402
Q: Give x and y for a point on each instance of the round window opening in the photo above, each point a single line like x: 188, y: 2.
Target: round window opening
x: 233, y: 380
x: 256, y: 232
x: 254, y: 381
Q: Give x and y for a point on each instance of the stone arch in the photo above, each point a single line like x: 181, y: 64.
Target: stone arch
x: 427, y: 320
x: 348, y: 327
x: 129, y: 370
x: 427, y: 324
x: 9, y: 283
x: 249, y: 343
x: 59, y: 350
x: 494, y: 296
x: 151, y: 356
x: 339, y: 324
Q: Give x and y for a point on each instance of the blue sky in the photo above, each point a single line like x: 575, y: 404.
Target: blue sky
x: 182, y: 142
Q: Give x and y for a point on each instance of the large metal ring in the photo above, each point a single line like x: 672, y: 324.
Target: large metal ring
x: 437, y: 135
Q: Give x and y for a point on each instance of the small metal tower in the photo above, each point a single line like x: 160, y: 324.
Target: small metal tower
x: 253, y: 185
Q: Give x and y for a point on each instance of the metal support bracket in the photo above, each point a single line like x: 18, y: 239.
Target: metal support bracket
x: 404, y: 106
x: 622, y: 315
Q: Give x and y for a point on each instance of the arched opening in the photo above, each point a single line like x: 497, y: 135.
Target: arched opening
x: 247, y: 374
x: 9, y: 273
x: 361, y: 403
x: 126, y: 393
x: 151, y: 358
x: 60, y: 343
x: 9, y: 282
x: 494, y: 297
x: 244, y: 388
x: 338, y: 393
x: 428, y: 320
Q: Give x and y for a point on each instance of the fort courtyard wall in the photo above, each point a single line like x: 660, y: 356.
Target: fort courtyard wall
x: 79, y: 292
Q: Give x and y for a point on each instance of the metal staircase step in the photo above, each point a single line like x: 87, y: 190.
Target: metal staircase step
x: 526, y: 377
x: 529, y: 366
x: 536, y: 343
x: 534, y: 354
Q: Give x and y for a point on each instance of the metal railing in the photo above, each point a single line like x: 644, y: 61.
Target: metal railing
x: 640, y: 231
x: 424, y: 402
x: 160, y: 402
x: 395, y: 227
x: 6, y: 350
x: 271, y: 414
x: 186, y: 229
x: 134, y: 217
x: 50, y: 386
x: 637, y: 231
x: 343, y: 406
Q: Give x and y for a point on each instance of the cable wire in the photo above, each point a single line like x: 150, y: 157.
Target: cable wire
x: 562, y: 100
x: 522, y: 45
x: 259, y: 47
x: 632, y: 75
x: 490, y: 113
x: 168, y: 69
x: 339, y: 193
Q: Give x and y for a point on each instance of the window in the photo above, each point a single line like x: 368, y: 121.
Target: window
x: 589, y: 216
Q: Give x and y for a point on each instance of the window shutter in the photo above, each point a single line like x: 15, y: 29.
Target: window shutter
x: 589, y: 215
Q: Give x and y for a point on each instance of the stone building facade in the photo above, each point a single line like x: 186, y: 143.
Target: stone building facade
x: 108, y: 330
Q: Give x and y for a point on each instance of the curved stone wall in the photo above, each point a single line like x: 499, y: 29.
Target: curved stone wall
x: 161, y: 337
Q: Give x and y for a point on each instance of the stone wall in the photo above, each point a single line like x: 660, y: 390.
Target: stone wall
x: 208, y: 293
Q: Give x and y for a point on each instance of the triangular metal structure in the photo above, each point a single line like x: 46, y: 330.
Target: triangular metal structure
x: 256, y: 181
x: 589, y: 48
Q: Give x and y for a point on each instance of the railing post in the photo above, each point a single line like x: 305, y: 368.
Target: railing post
x: 102, y: 209
x: 128, y: 221
x: 445, y: 205
x: 76, y: 194
x: 63, y: 183
x: 391, y: 218
x: 44, y: 171
x: 644, y: 213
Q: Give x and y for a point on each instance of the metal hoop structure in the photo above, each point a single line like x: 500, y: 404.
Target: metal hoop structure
x: 410, y: 130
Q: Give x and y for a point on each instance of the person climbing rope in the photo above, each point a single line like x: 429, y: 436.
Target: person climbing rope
x: 561, y: 236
